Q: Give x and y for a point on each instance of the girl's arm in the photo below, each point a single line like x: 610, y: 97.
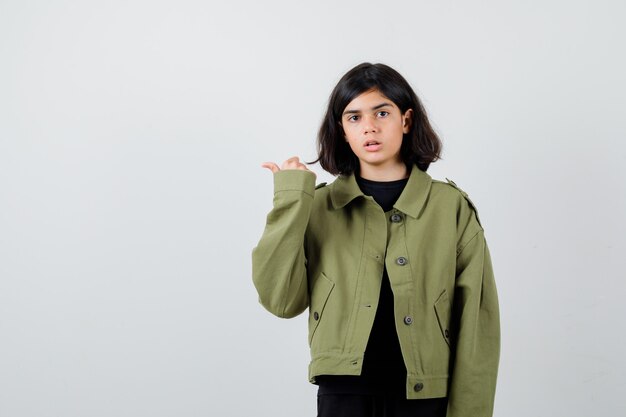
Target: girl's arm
x: 475, y: 366
x: 279, y: 261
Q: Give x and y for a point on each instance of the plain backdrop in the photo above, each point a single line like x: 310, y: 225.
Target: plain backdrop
x: 131, y: 192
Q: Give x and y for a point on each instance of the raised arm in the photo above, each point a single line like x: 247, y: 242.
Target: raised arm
x: 278, y: 260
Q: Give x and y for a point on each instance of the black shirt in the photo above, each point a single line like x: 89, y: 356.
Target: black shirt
x: 383, y: 366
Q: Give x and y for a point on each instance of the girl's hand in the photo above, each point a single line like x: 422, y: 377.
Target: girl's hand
x: 291, y: 163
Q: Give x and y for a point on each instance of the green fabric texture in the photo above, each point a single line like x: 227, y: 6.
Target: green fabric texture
x: 324, y: 249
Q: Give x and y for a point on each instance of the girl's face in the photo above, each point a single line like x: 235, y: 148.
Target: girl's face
x: 373, y: 126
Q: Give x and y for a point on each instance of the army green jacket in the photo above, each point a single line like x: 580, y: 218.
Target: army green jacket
x: 324, y: 248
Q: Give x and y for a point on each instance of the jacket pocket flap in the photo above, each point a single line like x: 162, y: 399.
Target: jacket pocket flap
x: 320, y: 293
x: 442, y: 310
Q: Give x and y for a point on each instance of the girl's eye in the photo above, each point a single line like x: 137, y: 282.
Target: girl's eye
x: 352, y: 118
x: 383, y: 113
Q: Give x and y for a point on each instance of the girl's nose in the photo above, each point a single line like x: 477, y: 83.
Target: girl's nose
x: 369, y: 125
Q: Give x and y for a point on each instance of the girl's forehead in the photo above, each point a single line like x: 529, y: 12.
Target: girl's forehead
x: 373, y: 92
x: 368, y: 97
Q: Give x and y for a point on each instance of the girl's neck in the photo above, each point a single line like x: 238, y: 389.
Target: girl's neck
x: 393, y: 173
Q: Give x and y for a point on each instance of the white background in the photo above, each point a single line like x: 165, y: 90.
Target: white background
x: 131, y: 192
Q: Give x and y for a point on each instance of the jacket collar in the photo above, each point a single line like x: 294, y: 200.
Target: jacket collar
x: 345, y: 189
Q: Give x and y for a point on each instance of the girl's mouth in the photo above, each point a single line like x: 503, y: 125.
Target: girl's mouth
x: 372, y: 145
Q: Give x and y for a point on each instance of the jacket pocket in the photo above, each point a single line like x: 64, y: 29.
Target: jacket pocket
x: 322, y: 287
x: 442, y: 310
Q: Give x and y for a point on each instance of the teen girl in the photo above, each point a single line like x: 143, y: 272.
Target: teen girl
x: 392, y: 265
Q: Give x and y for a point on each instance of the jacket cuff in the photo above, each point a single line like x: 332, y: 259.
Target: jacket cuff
x: 294, y: 180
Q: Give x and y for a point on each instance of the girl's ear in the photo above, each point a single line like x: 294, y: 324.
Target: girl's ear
x: 407, y: 118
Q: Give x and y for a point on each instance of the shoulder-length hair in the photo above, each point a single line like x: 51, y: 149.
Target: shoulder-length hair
x: 420, y: 146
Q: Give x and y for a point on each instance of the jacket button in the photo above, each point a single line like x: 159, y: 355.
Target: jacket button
x: 408, y: 320
x: 396, y: 218
x: 401, y: 260
x: 316, y: 316
x: 418, y: 387
x: 447, y: 333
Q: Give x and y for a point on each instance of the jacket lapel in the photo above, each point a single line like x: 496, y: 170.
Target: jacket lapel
x: 345, y: 189
x: 415, y: 193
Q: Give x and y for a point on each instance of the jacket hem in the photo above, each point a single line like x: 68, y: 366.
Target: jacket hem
x: 417, y: 386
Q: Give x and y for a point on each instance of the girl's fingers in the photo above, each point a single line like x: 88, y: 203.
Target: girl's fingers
x: 291, y: 163
x: 294, y: 163
x: 271, y: 166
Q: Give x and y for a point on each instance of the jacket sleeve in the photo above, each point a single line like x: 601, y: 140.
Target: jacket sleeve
x: 477, y: 321
x: 279, y: 261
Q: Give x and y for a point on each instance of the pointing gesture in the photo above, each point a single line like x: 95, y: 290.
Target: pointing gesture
x: 291, y: 163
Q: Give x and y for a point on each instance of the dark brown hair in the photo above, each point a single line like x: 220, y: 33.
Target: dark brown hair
x: 420, y: 146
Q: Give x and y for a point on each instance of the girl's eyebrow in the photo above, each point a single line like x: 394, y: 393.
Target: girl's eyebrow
x: 359, y: 111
